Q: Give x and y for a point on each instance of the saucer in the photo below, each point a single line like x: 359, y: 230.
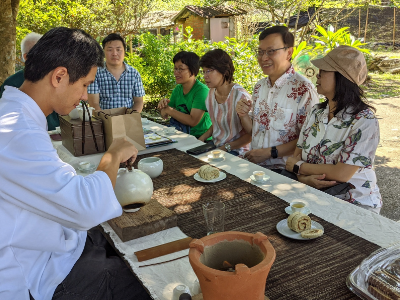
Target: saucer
x: 283, y: 229
x: 305, y: 211
x: 211, y: 157
x: 266, y: 177
x: 91, y: 168
x: 168, y: 133
x: 221, y: 176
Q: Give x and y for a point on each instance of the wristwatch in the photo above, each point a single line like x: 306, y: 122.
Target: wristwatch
x: 274, y: 152
x: 228, y: 147
x: 296, y: 167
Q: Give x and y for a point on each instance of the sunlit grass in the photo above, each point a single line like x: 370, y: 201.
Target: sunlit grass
x: 383, y: 85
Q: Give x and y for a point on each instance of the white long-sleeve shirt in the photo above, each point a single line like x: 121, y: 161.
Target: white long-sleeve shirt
x: 45, y: 207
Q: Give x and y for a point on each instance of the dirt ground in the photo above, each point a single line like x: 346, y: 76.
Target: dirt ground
x: 387, y: 160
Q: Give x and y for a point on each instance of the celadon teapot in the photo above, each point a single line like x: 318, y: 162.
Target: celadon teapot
x: 133, y: 187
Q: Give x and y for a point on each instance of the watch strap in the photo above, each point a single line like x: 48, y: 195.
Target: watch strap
x: 274, y: 152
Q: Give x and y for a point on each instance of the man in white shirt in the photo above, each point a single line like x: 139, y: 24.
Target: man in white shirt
x: 45, y: 207
x: 280, y: 102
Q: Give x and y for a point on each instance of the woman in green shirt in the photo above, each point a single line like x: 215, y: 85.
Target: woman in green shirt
x: 187, y: 104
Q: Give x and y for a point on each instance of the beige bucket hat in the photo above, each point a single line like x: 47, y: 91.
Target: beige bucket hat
x: 346, y: 60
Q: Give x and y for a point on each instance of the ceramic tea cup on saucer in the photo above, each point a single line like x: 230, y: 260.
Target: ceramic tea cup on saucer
x: 216, y: 153
x: 259, y: 176
x: 152, y: 166
x: 298, y: 206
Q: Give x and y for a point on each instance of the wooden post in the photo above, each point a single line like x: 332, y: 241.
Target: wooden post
x: 394, y: 26
x: 366, y: 26
x: 359, y: 22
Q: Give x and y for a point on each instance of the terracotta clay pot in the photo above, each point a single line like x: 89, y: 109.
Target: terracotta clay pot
x: 251, y: 257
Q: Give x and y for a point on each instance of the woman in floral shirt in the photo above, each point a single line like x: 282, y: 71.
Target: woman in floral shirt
x: 339, y: 138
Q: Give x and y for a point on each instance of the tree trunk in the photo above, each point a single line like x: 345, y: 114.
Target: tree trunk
x: 8, y: 33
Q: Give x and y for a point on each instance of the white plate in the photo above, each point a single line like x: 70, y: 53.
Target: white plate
x: 266, y: 177
x: 289, y: 211
x: 221, y: 176
x: 91, y: 168
x: 211, y: 157
x: 286, y: 231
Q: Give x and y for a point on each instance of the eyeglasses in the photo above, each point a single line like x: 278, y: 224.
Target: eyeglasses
x: 207, y: 72
x: 271, y: 52
x: 179, y: 70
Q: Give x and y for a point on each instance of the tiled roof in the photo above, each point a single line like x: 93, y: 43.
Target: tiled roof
x: 158, y: 19
x: 211, y: 11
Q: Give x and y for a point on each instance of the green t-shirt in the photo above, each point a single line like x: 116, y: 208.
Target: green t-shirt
x: 16, y: 80
x: 196, y: 98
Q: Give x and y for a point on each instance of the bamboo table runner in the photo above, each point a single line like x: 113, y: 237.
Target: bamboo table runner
x: 311, y: 269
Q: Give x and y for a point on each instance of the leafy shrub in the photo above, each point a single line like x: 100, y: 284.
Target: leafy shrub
x: 153, y: 60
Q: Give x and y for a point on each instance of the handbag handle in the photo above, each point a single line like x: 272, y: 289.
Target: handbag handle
x: 84, y: 106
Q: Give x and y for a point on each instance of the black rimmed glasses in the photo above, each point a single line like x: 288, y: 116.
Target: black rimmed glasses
x: 271, y: 52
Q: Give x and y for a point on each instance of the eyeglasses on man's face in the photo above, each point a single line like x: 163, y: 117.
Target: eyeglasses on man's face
x: 270, y: 52
x: 180, y: 70
x: 206, y: 72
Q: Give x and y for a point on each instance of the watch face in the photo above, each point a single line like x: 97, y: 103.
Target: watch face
x: 296, y: 169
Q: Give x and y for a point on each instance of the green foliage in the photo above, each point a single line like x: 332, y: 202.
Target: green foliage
x: 153, y: 60
x: 330, y: 39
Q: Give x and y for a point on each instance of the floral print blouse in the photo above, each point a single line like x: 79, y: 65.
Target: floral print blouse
x: 279, y: 112
x: 349, y: 139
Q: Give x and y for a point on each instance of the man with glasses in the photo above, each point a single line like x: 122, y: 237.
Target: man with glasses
x: 117, y: 84
x: 280, y: 102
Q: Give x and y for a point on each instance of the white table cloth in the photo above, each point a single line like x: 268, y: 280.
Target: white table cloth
x: 161, y: 279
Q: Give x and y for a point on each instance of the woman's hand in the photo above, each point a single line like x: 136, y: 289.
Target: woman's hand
x: 202, y: 138
x: 243, y: 107
x: 164, y: 112
x: 316, y: 181
x: 163, y: 103
x: 291, y: 161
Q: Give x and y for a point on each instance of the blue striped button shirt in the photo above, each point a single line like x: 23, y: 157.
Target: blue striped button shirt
x: 115, y: 93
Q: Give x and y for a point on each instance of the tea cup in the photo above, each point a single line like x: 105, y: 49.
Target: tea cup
x: 259, y: 175
x: 216, y: 153
x: 84, y: 165
x: 152, y: 166
x: 298, y: 206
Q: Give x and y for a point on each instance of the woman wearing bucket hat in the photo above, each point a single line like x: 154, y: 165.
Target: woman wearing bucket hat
x: 338, y: 140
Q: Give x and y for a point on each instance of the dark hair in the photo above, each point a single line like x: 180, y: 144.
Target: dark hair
x: 73, y: 49
x: 113, y: 37
x: 219, y: 60
x: 287, y: 36
x: 190, y: 59
x: 349, y: 97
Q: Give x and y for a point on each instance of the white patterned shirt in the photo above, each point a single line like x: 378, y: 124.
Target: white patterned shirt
x: 279, y: 112
x: 347, y: 139
x: 227, y: 126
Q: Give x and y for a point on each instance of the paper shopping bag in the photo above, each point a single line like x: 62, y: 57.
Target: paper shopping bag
x: 122, y: 122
